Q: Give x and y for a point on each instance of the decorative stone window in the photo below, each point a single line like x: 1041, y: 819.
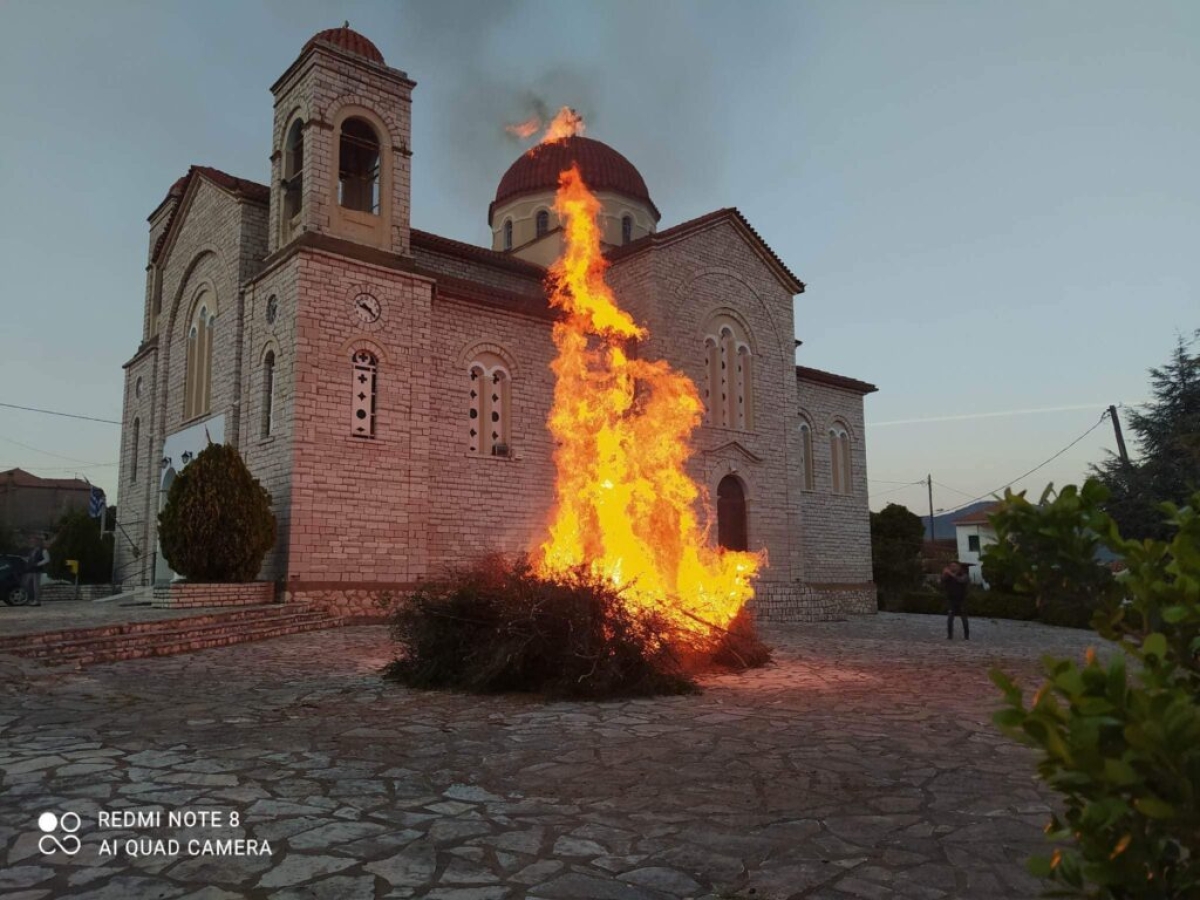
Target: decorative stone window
x: 508, y: 226
x: 366, y: 373
x: 732, y: 533
x: 133, y: 445
x: 808, y: 479
x: 626, y: 229
x: 489, y: 408
x: 729, y: 392
x: 542, y: 223
x: 197, y: 394
x: 358, y: 167
x: 293, y: 174
x: 137, y: 387
x: 839, y: 456
x: 268, y: 389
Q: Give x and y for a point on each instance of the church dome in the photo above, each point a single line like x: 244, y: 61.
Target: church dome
x: 348, y: 39
x: 602, y: 167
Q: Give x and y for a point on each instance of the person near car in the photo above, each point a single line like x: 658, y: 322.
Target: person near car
x: 36, y: 563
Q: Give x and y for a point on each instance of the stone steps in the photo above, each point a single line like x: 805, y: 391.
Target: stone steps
x: 167, y: 637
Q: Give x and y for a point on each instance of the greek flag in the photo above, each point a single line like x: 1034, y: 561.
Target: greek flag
x: 97, y: 506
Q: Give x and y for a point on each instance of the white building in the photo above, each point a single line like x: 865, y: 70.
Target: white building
x: 973, y: 532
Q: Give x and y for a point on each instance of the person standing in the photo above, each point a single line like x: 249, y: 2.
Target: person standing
x: 954, y: 584
x: 36, y: 563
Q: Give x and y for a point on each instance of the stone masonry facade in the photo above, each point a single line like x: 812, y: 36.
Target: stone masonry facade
x: 348, y: 353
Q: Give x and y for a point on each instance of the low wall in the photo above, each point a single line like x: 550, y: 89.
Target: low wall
x: 362, y: 603
x: 184, y: 594
x: 76, y: 592
x: 800, y: 602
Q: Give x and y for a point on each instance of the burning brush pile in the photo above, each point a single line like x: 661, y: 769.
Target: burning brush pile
x: 626, y: 596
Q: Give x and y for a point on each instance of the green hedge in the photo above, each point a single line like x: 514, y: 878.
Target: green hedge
x: 990, y: 605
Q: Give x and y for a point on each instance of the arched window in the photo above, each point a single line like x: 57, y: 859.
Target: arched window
x: 358, y: 167
x: 542, y: 223
x: 362, y: 415
x: 808, y: 478
x: 731, y: 514
x: 626, y: 229
x: 197, y: 394
x: 293, y: 171
x: 489, y: 411
x: 268, y: 389
x: 133, y: 463
x: 839, y: 456
x: 508, y: 234
x: 729, y: 361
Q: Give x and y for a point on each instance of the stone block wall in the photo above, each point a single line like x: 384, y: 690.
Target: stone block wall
x: 187, y: 594
x: 88, y: 592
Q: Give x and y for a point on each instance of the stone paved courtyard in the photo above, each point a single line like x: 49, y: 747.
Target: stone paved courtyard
x: 863, y: 764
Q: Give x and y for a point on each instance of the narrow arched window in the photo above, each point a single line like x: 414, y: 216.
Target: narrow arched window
x: 732, y: 533
x: 807, y: 470
x: 293, y: 171
x: 839, y: 457
x: 626, y: 229
x: 508, y: 234
x: 362, y: 407
x: 358, y: 166
x: 542, y: 223
x: 197, y: 394
x: 268, y: 389
x: 133, y: 463
x: 730, y: 365
x: 489, y: 386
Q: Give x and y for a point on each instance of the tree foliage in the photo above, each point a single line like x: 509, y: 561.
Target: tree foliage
x: 77, y: 536
x: 1167, y: 432
x: 897, y: 535
x: 1120, y: 735
x: 1046, y: 550
x: 217, y: 524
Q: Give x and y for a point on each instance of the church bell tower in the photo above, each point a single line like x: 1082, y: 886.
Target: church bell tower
x: 340, y: 161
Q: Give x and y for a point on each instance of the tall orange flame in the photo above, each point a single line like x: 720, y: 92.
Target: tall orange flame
x: 566, y: 123
x: 625, y: 505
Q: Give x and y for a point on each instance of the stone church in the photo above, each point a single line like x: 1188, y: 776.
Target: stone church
x: 390, y: 387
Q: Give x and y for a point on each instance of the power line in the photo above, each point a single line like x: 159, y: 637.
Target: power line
x: 74, y: 459
x: 948, y: 488
x: 885, y: 481
x: 52, y: 412
x: 1099, y: 422
x: 911, y: 484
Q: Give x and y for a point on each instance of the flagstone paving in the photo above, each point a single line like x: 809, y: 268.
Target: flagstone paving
x: 863, y: 764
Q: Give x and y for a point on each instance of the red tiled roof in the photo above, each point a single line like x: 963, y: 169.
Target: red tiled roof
x: 683, y: 229
x: 979, y: 516
x: 602, y: 168
x: 240, y: 187
x: 347, y: 39
x: 841, y: 381
x: 21, y: 478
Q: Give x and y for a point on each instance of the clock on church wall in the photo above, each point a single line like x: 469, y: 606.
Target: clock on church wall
x: 366, y: 311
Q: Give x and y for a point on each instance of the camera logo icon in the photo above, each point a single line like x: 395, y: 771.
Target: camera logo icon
x: 50, y: 843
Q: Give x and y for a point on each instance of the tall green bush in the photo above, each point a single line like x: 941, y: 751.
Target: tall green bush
x: 1120, y: 737
x: 217, y: 524
x: 77, y: 536
x: 896, y: 538
x: 1048, y: 549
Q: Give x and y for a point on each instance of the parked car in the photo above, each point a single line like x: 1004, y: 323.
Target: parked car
x: 11, y: 591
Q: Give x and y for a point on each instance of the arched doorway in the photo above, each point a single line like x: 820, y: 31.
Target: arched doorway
x: 162, y: 569
x: 731, y: 514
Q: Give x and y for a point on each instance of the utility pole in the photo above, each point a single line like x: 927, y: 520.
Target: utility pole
x: 932, y: 526
x: 1112, y: 412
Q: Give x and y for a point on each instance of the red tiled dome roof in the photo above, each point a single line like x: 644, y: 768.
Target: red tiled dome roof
x: 602, y: 167
x: 348, y: 39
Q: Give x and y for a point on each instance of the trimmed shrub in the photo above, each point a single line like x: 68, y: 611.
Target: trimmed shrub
x: 217, y: 525
x: 498, y: 627
x: 995, y: 604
